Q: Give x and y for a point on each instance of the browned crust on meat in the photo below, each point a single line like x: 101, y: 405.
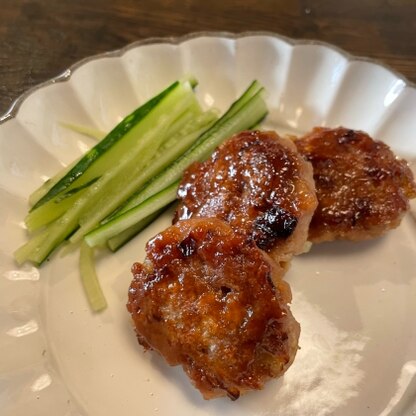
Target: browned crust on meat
x: 363, y: 189
x: 258, y: 183
x: 210, y: 301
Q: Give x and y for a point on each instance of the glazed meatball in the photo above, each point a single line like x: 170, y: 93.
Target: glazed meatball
x: 258, y: 183
x: 363, y: 189
x: 207, y: 300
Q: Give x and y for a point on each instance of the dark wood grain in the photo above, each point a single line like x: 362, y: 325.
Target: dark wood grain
x: 40, y: 38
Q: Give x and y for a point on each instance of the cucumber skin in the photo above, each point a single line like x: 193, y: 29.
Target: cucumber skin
x: 52, y: 210
x: 119, y: 182
x: 113, y: 137
x: 67, y: 225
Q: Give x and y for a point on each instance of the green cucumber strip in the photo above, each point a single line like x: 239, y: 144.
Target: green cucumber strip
x: 125, y: 236
x: 38, y: 193
x: 115, y: 188
x: 57, y: 206
x: 99, y: 236
x: 199, y: 122
x: 48, y: 184
x: 75, y: 191
x: 24, y: 252
x: 53, y: 209
x: 254, y: 88
x: 135, y: 139
x: 248, y: 115
x: 56, y: 233
x: 245, y: 97
x: 119, y: 140
x: 89, y: 279
x: 113, y: 181
x: 184, y: 139
x: 85, y: 130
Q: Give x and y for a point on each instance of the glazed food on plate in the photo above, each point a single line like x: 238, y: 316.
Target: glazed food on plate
x: 363, y: 189
x: 208, y: 300
x: 210, y: 294
x: 258, y: 183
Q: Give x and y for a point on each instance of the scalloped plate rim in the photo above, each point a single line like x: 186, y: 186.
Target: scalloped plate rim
x: 176, y: 40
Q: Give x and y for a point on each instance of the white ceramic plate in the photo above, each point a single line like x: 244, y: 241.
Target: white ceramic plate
x: 356, y: 302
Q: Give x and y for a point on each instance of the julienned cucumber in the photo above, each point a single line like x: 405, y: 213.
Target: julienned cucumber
x: 120, y: 139
x: 244, y: 113
x: 186, y: 136
x: 176, y: 143
x: 156, y: 128
x: 85, y: 130
x: 100, y: 236
x: 54, y: 208
x: 40, y: 192
x: 159, y: 123
x: 125, y: 236
x: 89, y: 279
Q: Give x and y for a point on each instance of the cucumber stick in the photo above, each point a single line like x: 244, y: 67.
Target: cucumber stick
x: 28, y: 250
x: 97, y: 160
x: 179, y: 144
x: 53, y: 209
x: 131, y: 170
x: 244, y: 114
x: 64, y: 179
x: 139, y: 176
x: 100, y: 236
x: 85, y: 130
x: 157, y: 122
x: 89, y: 279
x: 40, y: 192
x: 47, y: 185
x: 125, y: 236
x: 109, y: 189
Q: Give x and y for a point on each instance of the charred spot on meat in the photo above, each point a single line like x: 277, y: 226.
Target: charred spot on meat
x: 276, y: 223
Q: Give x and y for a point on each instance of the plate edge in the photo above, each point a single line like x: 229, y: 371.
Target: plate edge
x: 176, y: 40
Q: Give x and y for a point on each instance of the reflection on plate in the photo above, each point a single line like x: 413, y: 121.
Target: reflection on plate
x: 356, y: 302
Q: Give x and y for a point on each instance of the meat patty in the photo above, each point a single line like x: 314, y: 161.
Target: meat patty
x: 258, y: 183
x: 363, y: 189
x: 208, y: 300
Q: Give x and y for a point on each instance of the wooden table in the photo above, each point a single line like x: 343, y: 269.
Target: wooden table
x: 40, y: 38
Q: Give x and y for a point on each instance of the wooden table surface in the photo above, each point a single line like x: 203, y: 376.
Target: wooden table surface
x: 41, y: 38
